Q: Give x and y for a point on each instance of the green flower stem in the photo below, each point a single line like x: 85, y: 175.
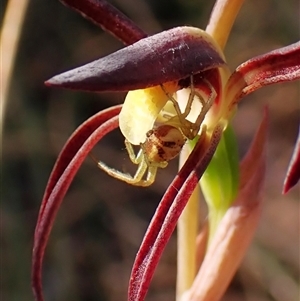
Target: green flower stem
x: 221, y: 179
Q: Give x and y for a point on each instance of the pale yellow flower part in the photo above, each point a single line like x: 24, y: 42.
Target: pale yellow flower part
x: 140, y: 110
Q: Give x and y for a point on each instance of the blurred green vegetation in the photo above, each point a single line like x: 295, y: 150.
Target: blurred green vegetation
x: 102, y: 221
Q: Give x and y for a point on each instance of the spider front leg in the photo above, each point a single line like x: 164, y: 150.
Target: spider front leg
x: 188, y: 128
x: 143, y: 164
x: 206, y: 105
x: 162, y: 144
x: 136, y: 180
x: 125, y: 177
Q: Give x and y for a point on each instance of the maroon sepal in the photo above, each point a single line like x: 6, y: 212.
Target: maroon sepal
x: 167, y: 56
x: 70, y: 159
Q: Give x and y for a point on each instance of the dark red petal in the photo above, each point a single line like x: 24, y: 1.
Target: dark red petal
x: 109, y: 18
x: 293, y: 173
x: 62, y: 176
x: 167, y: 56
x: 166, y: 216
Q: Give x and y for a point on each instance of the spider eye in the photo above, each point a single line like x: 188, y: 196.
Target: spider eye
x: 149, y: 133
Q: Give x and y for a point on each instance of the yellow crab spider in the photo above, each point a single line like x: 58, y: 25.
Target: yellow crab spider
x: 163, y: 142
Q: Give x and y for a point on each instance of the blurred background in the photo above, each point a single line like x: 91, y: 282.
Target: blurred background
x: 102, y: 221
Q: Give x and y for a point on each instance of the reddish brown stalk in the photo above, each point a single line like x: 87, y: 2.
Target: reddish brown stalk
x: 108, y: 18
x: 166, y: 216
x: 65, y: 169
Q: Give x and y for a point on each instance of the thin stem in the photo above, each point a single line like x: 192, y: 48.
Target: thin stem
x: 219, y: 27
x: 10, y: 35
x: 187, y: 229
x: 222, y: 18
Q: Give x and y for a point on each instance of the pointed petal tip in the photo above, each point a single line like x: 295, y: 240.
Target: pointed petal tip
x: 76, y: 79
x: 50, y: 82
x: 56, y: 81
x: 293, y: 173
x: 47, y: 83
x: 289, y: 183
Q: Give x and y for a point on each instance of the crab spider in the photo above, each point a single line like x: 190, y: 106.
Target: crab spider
x: 162, y: 144
x: 165, y: 141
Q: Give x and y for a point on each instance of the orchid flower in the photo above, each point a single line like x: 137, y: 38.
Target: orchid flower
x: 180, y: 89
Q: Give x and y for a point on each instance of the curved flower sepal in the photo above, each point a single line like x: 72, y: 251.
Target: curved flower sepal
x: 236, y: 229
x: 70, y: 159
x: 109, y: 18
x: 168, y: 212
x: 280, y: 65
x: 167, y: 56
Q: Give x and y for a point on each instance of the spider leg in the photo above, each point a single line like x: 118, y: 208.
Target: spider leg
x: 189, y: 129
x: 188, y: 107
x: 125, y: 177
x: 135, y: 159
x: 190, y: 99
x: 141, y: 170
x: 138, y: 159
x: 176, y: 105
x: 151, y: 174
x: 207, y: 105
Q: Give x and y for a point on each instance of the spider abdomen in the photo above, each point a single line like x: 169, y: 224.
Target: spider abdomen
x: 163, y: 143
